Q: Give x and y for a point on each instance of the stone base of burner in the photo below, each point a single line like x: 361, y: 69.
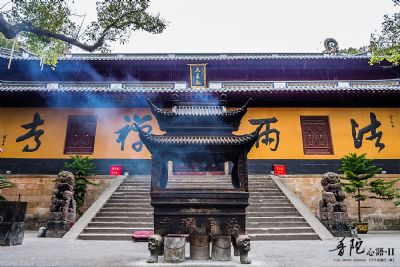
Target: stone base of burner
x: 199, y: 247
x: 174, y: 248
x: 221, y: 248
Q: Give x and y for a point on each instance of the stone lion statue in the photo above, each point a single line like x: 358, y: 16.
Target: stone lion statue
x: 62, y: 200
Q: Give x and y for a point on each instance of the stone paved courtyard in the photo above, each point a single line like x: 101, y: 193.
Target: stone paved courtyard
x: 60, y: 252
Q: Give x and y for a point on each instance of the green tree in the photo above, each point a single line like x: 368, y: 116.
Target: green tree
x: 4, y: 184
x: 354, y: 51
x: 48, y: 28
x: 358, y: 171
x: 386, y: 44
x: 81, y: 167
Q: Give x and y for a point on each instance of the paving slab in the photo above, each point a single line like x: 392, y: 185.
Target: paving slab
x: 66, y: 252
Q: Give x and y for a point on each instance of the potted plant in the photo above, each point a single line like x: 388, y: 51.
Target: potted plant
x: 358, y: 173
x: 81, y: 167
x: 12, y: 216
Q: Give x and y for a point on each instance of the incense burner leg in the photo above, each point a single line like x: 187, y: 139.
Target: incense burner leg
x: 235, y: 248
x: 235, y: 175
x: 159, y: 174
x: 243, y: 172
x: 155, y: 173
x: 156, y: 248
x: 163, y: 175
x: 243, y: 244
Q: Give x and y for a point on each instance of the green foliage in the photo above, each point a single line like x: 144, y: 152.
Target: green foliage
x: 4, y: 184
x: 81, y: 167
x: 353, y: 51
x: 49, y: 28
x: 7, y: 43
x: 386, y: 44
x: 358, y: 171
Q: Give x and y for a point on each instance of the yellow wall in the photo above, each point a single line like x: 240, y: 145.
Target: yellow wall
x: 290, y: 147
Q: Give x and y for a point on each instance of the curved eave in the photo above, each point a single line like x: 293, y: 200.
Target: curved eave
x: 158, y: 141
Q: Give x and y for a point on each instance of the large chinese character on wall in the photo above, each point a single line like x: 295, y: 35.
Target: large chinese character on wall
x: 198, y: 75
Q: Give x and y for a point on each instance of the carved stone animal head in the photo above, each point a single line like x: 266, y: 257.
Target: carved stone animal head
x: 243, y: 242
x: 154, y: 242
x: 66, y: 177
x: 329, y: 178
x: 189, y: 224
x: 212, y: 227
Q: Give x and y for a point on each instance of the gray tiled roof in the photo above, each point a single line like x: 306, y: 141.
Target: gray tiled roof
x: 198, y: 110
x: 200, y: 140
x: 214, y: 87
x: 227, y: 56
x: 5, y: 53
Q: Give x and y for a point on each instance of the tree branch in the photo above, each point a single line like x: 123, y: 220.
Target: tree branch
x: 11, y: 31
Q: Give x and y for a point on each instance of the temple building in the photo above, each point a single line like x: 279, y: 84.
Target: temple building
x: 315, y: 108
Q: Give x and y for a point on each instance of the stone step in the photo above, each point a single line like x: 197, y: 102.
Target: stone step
x: 130, y: 197
x: 194, y: 181
x: 125, y: 214
x: 290, y: 236
x: 270, y: 209
x: 121, y: 204
x: 279, y: 230
x: 130, y: 224
x: 224, y: 185
x: 136, y: 187
x: 204, y: 183
x: 272, y: 214
x: 128, y: 200
x: 123, y: 219
x: 150, y: 213
x: 248, y: 210
x: 277, y: 203
x: 261, y: 196
x: 269, y: 201
x: 252, y: 219
x: 119, y: 230
x: 275, y: 224
x: 127, y: 205
x: 126, y: 209
x: 106, y: 237
x: 131, y: 193
x: 121, y: 225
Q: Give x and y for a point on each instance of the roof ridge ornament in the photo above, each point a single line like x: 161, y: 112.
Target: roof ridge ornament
x: 331, y: 47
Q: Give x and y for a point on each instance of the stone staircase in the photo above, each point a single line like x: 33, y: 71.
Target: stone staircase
x: 270, y: 215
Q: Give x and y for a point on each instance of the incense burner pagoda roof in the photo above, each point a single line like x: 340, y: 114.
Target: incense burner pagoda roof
x: 199, y: 110
x: 201, y: 115
x: 194, y: 143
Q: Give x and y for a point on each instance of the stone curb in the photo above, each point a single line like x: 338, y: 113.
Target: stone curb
x: 317, y: 226
x: 87, y: 217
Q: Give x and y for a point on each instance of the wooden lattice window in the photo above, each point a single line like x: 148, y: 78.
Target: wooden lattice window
x: 81, y: 131
x: 316, y: 135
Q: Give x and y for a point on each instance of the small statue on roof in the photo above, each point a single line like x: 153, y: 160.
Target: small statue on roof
x: 331, y: 46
